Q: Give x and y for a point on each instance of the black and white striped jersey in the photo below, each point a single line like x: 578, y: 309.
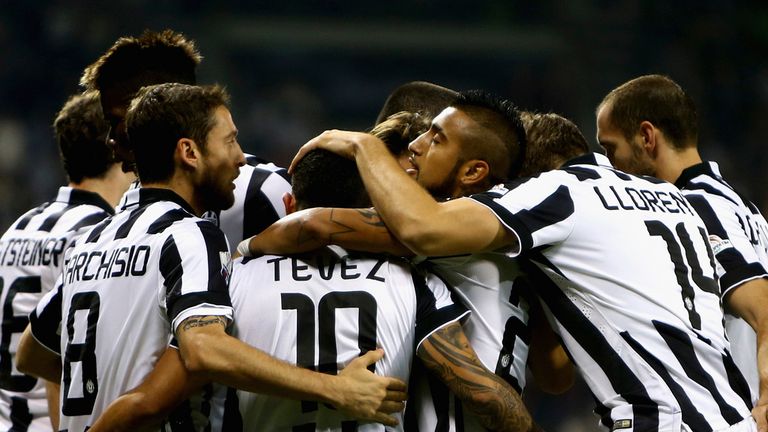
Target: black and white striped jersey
x: 259, y: 191
x: 127, y: 285
x: 31, y: 257
x: 737, y: 234
x: 320, y: 311
x: 626, y: 276
x: 491, y: 286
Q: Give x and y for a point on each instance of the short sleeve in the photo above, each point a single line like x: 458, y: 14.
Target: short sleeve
x: 45, y: 320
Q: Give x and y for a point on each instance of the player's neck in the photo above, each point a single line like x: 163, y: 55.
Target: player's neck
x: 675, y: 161
x: 110, y: 187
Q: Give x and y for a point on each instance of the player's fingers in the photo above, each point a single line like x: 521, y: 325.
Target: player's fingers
x: 390, y: 407
x: 370, y: 357
x: 396, y: 395
x: 385, y: 419
x: 397, y: 385
x: 300, y: 154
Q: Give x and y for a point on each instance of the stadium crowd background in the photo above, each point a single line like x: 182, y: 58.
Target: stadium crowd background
x: 295, y: 68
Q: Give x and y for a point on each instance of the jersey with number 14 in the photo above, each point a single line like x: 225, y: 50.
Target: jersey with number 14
x: 32, y: 253
x: 129, y: 282
x: 623, y: 268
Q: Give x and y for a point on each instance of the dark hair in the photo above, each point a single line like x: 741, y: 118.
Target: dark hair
x: 161, y: 115
x: 659, y: 100
x: 552, y: 140
x: 399, y: 129
x: 500, y: 118
x: 420, y: 97
x: 324, y: 179
x: 81, y: 133
x: 152, y: 58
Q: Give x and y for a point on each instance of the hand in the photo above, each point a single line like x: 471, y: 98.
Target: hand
x: 760, y: 413
x: 343, y: 143
x: 368, y: 396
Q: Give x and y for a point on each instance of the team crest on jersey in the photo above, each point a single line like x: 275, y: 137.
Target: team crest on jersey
x: 211, y: 216
x: 718, y: 244
x: 226, y: 265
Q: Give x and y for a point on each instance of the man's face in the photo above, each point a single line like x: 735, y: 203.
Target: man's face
x: 436, y: 157
x: 220, y: 165
x: 625, y: 154
x: 114, y: 104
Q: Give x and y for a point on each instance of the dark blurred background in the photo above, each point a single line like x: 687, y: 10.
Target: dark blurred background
x: 295, y: 68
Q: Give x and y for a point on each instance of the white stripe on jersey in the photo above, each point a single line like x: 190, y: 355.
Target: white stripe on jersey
x: 126, y: 281
x: 737, y: 234
x: 259, y: 191
x: 322, y: 310
x: 490, y: 285
x: 623, y: 266
x: 32, y: 253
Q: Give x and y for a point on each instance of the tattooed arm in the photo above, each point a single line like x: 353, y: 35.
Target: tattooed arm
x: 208, y: 350
x: 306, y: 230
x: 448, y: 354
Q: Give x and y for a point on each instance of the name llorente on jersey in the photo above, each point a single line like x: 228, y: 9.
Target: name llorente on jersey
x: 31, y: 252
x: 628, y: 198
x: 334, y: 267
x: 97, y: 264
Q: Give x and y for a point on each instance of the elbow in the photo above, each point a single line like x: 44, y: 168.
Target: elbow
x: 194, y: 354
x: 420, y: 241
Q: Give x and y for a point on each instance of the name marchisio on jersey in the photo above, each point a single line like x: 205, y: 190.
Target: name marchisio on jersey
x: 97, y: 264
x: 31, y: 252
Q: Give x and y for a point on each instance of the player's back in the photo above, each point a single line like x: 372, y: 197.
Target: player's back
x: 623, y: 268
x: 32, y: 253
x: 491, y: 286
x: 121, y: 289
x: 321, y: 310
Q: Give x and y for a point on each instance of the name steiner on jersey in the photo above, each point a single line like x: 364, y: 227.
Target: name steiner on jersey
x: 96, y: 265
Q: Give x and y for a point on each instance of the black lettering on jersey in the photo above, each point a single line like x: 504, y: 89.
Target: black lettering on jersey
x: 653, y: 202
x: 602, y: 200
x: 666, y: 202
x: 99, y: 264
x: 346, y: 267
x: 372, y: 274
x: 642, y: 199
x: 618, y: 198
x: 79, y: 263
x: 141, y: 258
x: 276, y: 261
x: 87, y: 276
x: 29, y: 252
x: 643, y: 204
x: 105, y: 264
x: 296, y: 267
x: 326, y: 275
x: 120, y: 261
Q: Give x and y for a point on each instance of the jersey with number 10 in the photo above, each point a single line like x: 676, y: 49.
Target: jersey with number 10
x: 623, y: 268
x: 322, y: 310
x: 32, y: 253
x: 129, y: 282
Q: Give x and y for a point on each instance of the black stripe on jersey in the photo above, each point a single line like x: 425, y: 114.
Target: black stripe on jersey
x: 215, y: 244
x: 180, y: 419
x: 691, y: 416
x: 167, y: 220
x: 623, y: 380
x: 258, y: 212
x: 622, y: 175
x: 652, y: 179
x: 349, y: 426
x: 95, y: 233
x: 458, y: 413
x: 736, y: 379
x: 582, y: 173
x: 45, y: 328
x: 171, y: 268
x: 741, y: 275
x: 124, y: 229
x: 89, y: 220
x: 555, y: 208
x: 428, y: 317
x: 25, y: 220
x: 51, y: 220
x: 177, y: 305
x: 233, y: 420
x: 682, y: 348
x: 692, y: 186
x: 707, y: 214
x: 21, y: 418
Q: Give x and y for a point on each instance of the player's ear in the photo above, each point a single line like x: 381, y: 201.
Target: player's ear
x: 473, y: 172
x: 289, y: 202
x: 648, y: 133
x: 188, y: 153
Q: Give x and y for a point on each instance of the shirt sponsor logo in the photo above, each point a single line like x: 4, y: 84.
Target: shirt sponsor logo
x: 718, y: 245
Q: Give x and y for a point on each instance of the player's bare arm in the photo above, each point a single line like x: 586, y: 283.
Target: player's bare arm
x: 35, y: 359
x: 52, y: 391
x: 305, y: 230
x: 206, y: 349
x: 422, y: 224
x: 750, y: 302
x: 550, y: 366
x: 448, y: 354
x: 165, y: 387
